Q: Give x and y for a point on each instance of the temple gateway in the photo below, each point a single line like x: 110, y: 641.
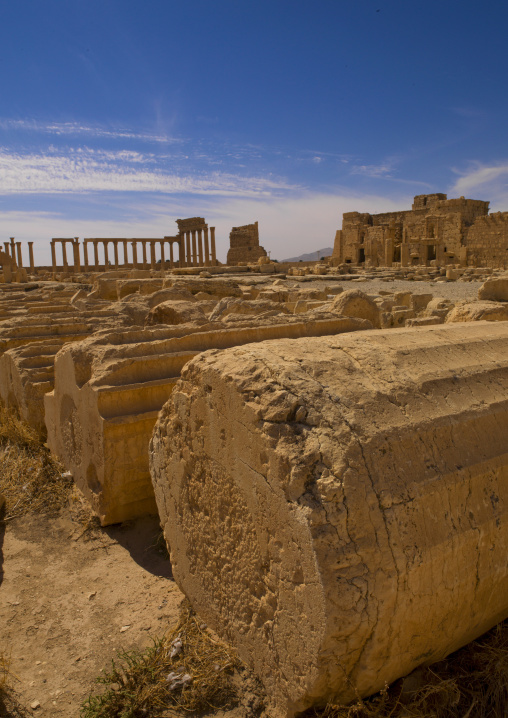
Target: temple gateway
x: 435, y: 231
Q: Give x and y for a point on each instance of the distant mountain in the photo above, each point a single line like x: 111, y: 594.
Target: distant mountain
x: 311, y: 257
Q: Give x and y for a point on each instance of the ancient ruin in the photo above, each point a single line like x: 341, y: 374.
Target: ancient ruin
x: 325, y: 502
x: 194, y: 245
x: 244, y: 245
x: 435, y: 232
x: 323, y: 442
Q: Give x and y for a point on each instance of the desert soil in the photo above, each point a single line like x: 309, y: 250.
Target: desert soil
x: 71, y: 600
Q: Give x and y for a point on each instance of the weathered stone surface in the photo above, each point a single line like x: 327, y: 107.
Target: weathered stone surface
x: 478, y: 311
x: 172, y: 312
x: 495, y: 290
x: 233, y: 305
x: 355, y: 303
x: 26, y: 374
x: 338, y: 507
x: 109, y: 389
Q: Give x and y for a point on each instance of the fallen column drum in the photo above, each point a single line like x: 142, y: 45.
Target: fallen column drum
x: 336, y: 507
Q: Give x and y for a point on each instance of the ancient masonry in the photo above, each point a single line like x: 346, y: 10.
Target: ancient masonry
x: 244, y: 245
x: 330, y: 467
x: 193, y: 246
x: 436, y: 231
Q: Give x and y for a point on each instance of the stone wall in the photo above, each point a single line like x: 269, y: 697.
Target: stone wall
x: 244, y: 244
x: 487, y: 241
x: 434, y: 230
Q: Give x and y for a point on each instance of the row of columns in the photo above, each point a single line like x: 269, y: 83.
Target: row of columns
x: 192, y: 251
x: 13, y: 250
x: 199, y: 251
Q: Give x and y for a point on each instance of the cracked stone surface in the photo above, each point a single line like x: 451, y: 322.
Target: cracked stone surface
x: 336, y: 507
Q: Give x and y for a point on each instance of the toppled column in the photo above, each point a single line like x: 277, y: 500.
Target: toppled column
x: 337, y: 508
x: 109, y: 389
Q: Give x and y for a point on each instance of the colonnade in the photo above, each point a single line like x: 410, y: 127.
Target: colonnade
x: 13, y: 250
x: 195, y: 248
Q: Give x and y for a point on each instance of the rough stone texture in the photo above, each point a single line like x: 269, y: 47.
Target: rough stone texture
x: 355, y: 303
x: 478, y: 311
x: 26, y: 374
x: 338, y: 507
x: 436, y: 229
x: 178, y: 312
x: 109, y: 389
x: 233, y: 305
x: 244, y: 245
x: 487, y: 241
x: 494, y: 289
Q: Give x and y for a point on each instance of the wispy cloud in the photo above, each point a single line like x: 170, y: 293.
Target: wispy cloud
x: 478, y: 176
x: 77, y: 129
x: 383, y: 170
x: 86, y: 170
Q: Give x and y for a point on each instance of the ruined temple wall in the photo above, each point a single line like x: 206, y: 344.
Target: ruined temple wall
x: 244, y: 244
x: 487, y: 241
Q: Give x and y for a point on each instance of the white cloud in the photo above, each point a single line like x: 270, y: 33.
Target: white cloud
x: 86, y: 170
x: 372, y: 170
x: 478, y: 176
x: 79, y: 129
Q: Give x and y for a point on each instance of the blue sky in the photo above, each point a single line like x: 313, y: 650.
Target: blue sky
x: 118, y: 117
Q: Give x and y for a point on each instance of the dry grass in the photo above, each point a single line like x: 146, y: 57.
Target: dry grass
x: 31, y: 480
x: 471, y: 683
x: 188, y: 670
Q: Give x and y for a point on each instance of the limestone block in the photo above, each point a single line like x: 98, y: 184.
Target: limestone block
x: 26, y: 375
x: 176, y: 313
x: 423, y: 321
x: 419, y: 302
x: 495, y: 290
x: 478, y: 311
x: 337, y: 508
x: 217, y: 287
x: 232, y: 305
x: 109, y: 389
x: 355, y: 303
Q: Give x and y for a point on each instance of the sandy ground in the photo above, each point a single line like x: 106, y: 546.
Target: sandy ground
x: 69, y: 601
x: 455, y: 291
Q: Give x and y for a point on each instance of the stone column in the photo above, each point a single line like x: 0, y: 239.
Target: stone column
x: 200, y: 247
x: 404, y: 254
x: 188, y: 258
x: 31, y: 255
x: 388, y: 252
x: 77, y: 260
x: 7, y: 250
x: 143, y: 244
x: 171, y: 259
x: 152, y: 255
x: 85, y: 253
x: 115, y: 248
x: 194, y: 252
x: 53, y: 255
x: 64, y: 254
x: 106, y: 258
x: 18, y: 254
x: 163, y: 258
x: 125, y: 254
x: 212, y: 243
x: 96, y: 253
x: 134, y: 255
x: 207, y: 249
x: 13, y: 249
